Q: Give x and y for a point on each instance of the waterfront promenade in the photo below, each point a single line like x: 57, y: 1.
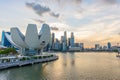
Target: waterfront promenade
x: 26, y: 62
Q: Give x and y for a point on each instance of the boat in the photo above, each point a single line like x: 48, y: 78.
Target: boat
x: 118, y: 55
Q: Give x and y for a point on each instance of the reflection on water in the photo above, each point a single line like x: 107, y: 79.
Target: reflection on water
x: 69, y: 66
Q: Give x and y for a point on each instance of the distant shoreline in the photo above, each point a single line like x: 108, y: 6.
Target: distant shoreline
x: 85, y: 51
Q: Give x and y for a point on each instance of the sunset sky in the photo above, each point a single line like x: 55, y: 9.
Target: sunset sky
x: 92, y: 21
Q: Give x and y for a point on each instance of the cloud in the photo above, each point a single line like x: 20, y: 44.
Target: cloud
x: 40, y: 10
x: 54, y: 28
x: 38, y: 20
x: 109, y: 1
x: 77, y: 1
x: 55, y: 15
x: 69, y: 1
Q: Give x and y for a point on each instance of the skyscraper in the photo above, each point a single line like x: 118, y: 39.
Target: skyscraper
x: 72, y: 35
x: 97, y: 46
x: 65, y: 38
x: 82, y: 46
x: 53, y: 40
x: 4, y: 40
x: 64, y: 41
x: 57, y: 45
x: 72, y: 40
x: 109, y: 45
x: 64, y: 48
x: 68, y: 42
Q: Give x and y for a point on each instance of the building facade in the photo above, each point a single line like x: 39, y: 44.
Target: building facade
x: 4, y: 41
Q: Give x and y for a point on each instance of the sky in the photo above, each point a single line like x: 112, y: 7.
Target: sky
x: 92, y: 21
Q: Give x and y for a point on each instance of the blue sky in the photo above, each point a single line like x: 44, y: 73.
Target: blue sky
x: 92, y: 21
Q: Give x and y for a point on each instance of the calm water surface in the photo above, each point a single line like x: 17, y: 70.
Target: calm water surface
x: 69, y: 66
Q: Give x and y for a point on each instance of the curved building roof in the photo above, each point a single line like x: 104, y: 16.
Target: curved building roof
x: 31, y: 40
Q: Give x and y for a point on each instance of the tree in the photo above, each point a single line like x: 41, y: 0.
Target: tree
x: 8, y: 51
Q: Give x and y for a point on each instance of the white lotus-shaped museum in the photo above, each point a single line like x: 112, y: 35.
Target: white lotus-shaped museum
x: 32, y: 39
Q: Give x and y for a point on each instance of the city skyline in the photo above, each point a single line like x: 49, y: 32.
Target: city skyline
x: 92, y: 21
x: 71, y: 42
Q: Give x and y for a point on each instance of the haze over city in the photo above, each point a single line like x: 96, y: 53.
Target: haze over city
x: 92, y: 21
